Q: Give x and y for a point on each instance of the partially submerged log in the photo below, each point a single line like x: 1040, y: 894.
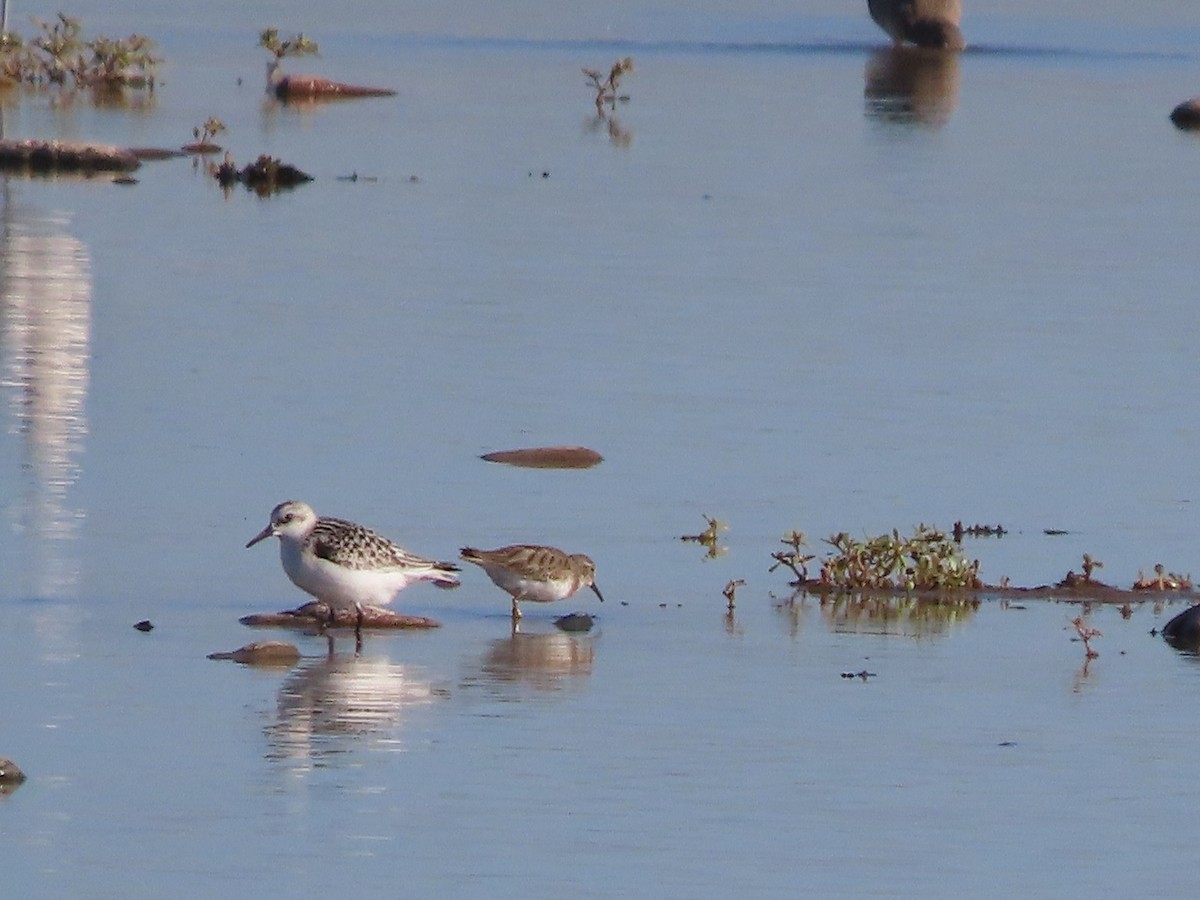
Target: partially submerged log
x: 313, y: 87
x: 66, y: 156
x: 263, y: 653
x: 315, y: 615
x: 547, y: 457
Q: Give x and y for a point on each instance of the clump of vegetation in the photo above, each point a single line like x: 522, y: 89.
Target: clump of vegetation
x: 926, y: 561
x: 293, y: 46
x: 265, y: 176
x: 1071, y: 580
x: 1162, y: 581
x: 60, y: 55
x: 608, y: 89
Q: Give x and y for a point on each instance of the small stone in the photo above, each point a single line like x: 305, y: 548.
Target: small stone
x: 575, y: 621
x: 144, y: 625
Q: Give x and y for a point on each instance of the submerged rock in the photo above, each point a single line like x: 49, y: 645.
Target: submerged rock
x: 263, y: 653
x: 315, y: 614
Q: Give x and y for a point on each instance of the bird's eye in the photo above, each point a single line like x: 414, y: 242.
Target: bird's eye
x: 288, y: 517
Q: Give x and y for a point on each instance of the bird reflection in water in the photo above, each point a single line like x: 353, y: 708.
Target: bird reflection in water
x: 45, y: 334
x: 336, y: 704
x: 911, y: 85
x: 547, y: 661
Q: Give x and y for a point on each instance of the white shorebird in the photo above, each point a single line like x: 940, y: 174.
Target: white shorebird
x: 535, y: 573
x: 344, y: 564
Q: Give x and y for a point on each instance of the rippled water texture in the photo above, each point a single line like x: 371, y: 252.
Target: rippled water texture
x: 800, y: 280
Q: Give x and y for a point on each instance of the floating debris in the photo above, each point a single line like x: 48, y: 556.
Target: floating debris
x: 863, y: 675
x: 144, y: 625
x: 263, y: 653
x: 547, y: 457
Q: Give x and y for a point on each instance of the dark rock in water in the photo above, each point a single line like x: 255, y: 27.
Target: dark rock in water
x: 263, y: 653
x: 1183, y: 631
x: 315, y: 614
x: 1186, y: 115
x: 144, y: 625
x: 574, y: 622
x: 10, y: 773
x: 547, y: 457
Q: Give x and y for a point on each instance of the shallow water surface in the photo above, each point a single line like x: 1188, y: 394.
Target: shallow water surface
x: 798, y: 281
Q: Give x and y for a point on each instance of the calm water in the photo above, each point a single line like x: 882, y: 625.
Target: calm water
x: 796, y: 282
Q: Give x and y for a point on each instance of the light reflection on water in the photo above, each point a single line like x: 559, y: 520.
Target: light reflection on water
x: 343, y: 703
x: 45, y: 336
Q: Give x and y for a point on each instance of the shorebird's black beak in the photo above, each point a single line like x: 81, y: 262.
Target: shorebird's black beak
x: 267, y: 532
x: 597, y: 590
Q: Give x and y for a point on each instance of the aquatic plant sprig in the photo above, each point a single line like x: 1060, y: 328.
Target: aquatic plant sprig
x: 1086, y: 633
x: 607, y: 89
x: 709, y: 537
x: 793, y: 559
x: 299, y: 45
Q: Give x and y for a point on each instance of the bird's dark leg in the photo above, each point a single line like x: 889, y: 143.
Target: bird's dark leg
x: 358, y: 621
